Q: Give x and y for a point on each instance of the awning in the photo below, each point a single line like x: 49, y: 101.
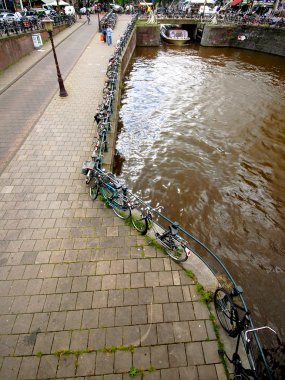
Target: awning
x: 235, y: 2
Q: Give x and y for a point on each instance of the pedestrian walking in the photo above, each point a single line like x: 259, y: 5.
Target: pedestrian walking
x: 88, y: 16
x: 104, y: 31
x: 109, y: 32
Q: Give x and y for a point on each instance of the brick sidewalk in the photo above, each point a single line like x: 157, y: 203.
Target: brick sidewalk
x: 82, y: 294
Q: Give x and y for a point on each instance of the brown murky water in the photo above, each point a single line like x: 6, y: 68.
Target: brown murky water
x: 202, y: 133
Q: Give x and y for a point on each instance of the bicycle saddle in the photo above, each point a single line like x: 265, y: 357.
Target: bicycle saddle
x: 174, y: 228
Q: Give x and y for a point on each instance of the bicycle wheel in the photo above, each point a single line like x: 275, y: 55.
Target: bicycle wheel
x: 107, y: 192
x: 139, y: 222
x: 120, y: 207
x: 226, y: 311
x: 94, y: 188
x: 175, y: 249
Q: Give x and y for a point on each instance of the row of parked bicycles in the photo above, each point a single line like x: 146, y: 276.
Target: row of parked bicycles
x: 223, y: 17
x: 8, y: 27
x: 230, y: 308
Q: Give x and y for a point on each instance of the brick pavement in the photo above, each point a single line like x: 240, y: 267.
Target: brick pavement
x: 82, y: 294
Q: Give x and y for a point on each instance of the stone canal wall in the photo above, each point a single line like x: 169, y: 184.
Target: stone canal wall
x: 148, y: 35
x: 251, y: 37
x: 15, y: 47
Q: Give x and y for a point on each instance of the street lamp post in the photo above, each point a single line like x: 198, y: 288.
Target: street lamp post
x: 99, y: 22
x: 48, y: 25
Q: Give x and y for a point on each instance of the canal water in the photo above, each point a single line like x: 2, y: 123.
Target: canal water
x: 202, y: 132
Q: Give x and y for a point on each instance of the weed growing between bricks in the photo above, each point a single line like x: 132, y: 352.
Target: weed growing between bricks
x: 206, y: 297
x: 132, y: 372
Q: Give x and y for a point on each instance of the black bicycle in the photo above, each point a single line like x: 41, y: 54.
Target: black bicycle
x: 175, y: 246
x: 237, y: 327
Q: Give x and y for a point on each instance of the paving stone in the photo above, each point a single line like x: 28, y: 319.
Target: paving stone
x: 210, y: 330
x: 79, y: 340
x: 131, y: 335
x: 148, y: 335
x: 145, y: 296
x: 130, y: 266
x: 107, y: 317
x: 122, y: 361
x: 10, y: 368
x: 114, y: 336
x: 160, y: 294
x: 60, y: 270
x: 115, y: 298
x: 187, y: 373
x: 194, y: 353
x: 79, y: 284
x: 61, y: 341
x: 137, y: 280
x: 22, y: 323
x: 139, y: 314
x: 64, y: 285
x: 36, y: 304
x: 220, y: 372
x: 90, y: 319
x: 181, y: 332
x: 7, y: 323
x: 201, y: 311
x: 104, y: 363
x: 141, y: 357
x: 94, y: 283
x: 123, y: 316
x: 68, y: 301
x: 207, y: 372
x: 57, y: 321
x: 43, y: 343
x: 165, y: 333
x: 211, y: 352
x: 170, y: 373
x: 151, y: 279
x: 73, y: 320
x: 17, y: 287
x: 33, y: 286
x: 46, y: 270
x: 39, y: 322
x: 144, y: 265
x: 117, y: 267
x: 103, y: 267
x: 170, y: 312
x: 29, y: 368
x: 52, y: 303
x: 159, y: 357
x: 123, y: 281
x: 97, y: 339
x: 84, y: 300
x: 25, y: 344
x: 66, y: 366
x: 86, y: 364
x: 8, y: 344
x: 177, y: 355
x: 109, y: 282
x: 100, y: 299
x: 186, y: 311
x: 165, y: 278
x: 198, y: 330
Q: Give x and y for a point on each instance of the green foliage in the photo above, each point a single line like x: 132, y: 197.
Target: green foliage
x: 39, y: 354
x: 206, y: 296
x: 133, y: 372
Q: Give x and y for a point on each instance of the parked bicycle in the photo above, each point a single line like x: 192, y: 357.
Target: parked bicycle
x: 238, y: 327
x: 175, y: 246
x: 112, y: 190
